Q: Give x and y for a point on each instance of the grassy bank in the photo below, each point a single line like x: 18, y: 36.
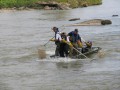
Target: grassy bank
x: 17, y: 3
x: 93, y: 2
x: 31, y: 3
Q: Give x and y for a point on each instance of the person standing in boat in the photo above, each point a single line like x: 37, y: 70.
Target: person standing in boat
x: 64, y: 46
x: 57, y: 40
x: 75, y: 39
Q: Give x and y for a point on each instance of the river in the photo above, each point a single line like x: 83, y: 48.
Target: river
x: 23, y: 32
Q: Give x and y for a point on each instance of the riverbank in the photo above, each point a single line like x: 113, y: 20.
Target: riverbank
x: 34, y: 4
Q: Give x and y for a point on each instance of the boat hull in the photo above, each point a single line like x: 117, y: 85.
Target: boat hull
x: 88, y: 52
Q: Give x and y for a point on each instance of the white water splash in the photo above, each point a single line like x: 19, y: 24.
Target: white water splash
x: 60, y: 59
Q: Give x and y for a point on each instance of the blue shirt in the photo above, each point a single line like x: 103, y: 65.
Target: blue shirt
x: 74, y: 37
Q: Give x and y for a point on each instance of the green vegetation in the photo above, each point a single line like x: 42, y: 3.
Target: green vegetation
x: 17, y: 3
x: 93, y: 2
x: 31, y: 3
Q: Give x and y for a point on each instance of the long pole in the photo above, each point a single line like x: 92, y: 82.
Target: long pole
x: 48, y: 41
x: 80, y: 53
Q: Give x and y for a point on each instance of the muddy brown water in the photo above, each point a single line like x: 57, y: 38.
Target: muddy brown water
x: 23, y: 32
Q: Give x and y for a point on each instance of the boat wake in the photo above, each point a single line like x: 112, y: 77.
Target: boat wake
x: 57, y: 60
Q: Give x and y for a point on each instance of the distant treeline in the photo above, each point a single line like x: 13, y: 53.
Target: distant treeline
x: 32, y: 3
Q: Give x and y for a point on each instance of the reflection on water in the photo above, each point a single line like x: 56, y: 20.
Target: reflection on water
x: 4, y: 86
x: 23, y: 32
x: 75, y: 64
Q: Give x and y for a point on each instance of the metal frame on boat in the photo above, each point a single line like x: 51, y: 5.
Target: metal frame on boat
x: 81, y: 54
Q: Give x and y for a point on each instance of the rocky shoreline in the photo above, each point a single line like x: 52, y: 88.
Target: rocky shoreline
x: 63, y: 6
x: 43, y: 6
x: 53, y: 5
x: 93, y: 22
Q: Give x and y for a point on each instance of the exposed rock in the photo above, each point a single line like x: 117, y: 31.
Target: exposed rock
x: 74, y: 19
x: 93, y: 22
x: 13, y: 8
x: 47, y: 8
x: 21, y: 8
x: 54, y: 5
x: 84, y: 4
x: 64, y: 6
x: 106, y: 22
x: 27, y: 8
x: 103, y: 22
x: 50, y: 4
x: 114, y: 15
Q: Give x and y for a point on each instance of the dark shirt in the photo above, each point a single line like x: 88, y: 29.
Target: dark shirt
x: 74, y: 37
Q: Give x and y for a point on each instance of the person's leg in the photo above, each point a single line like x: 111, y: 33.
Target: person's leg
x: 74, y: 52
x: 67, y: 50
x: 57, y: 49
x: 61, y: 50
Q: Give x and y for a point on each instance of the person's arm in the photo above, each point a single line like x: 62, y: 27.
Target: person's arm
x: 68, y: 40
x: 79, y: 38
x: 70, y: 34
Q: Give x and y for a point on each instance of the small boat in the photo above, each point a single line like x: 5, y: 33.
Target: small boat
x: 82, y: 53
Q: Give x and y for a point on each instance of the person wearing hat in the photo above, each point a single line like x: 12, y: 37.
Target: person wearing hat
x: 75, y: 39
x: 57, y: 40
